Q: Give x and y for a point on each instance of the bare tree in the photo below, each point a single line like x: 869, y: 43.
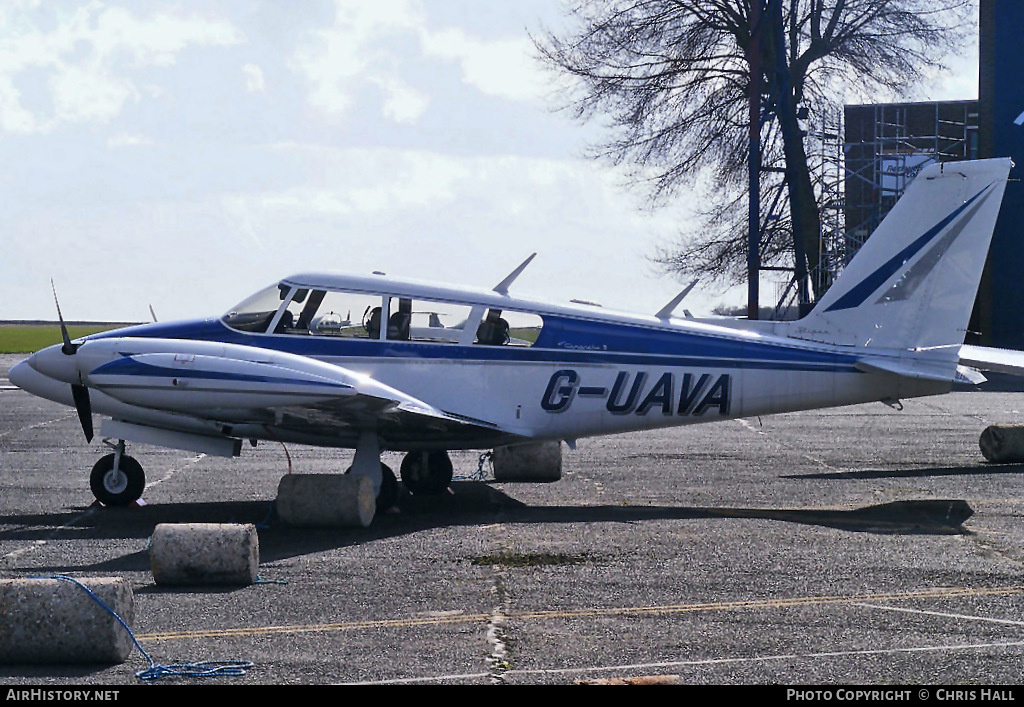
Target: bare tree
x: 671, y: 79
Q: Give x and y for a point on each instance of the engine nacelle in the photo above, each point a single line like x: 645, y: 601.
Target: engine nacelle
x: 528, y: 462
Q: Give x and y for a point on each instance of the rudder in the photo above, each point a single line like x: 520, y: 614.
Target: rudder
x: 913, y: 283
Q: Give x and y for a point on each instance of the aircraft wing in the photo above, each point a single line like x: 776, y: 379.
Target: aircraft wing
x: 249, y: 392
x: 399, y: 420
x: 984, y: 358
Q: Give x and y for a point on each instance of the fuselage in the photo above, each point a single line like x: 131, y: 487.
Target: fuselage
x: 565, y: 373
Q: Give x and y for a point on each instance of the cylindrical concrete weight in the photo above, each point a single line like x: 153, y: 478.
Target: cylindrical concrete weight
x: 57, y: 621
x: 532, y: 461
x: 326, y: 500
x: 1003, y: 443
x: 204, y: 553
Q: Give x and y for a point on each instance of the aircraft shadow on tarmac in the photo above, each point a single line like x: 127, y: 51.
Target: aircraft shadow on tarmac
x: 471, y: 503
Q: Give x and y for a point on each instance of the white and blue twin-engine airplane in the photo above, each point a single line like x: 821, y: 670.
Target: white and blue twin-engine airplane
x: 373, y: 363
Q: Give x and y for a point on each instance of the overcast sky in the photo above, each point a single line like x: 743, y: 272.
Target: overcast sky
x: 184, y: 154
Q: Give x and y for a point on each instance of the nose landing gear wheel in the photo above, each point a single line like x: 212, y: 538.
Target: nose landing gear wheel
x: 117, y: 487
x: 426, y: 473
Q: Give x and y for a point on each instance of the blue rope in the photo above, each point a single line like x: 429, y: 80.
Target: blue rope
x: 203, y: 669
x: 480, y: 474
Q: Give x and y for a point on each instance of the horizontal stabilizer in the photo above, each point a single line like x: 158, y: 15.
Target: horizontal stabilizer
x: 995, y: 360
x: 918, y: 368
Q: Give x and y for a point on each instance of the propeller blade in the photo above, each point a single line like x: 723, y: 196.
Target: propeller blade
x: 81, y: 395
x: 79, y: 392
x: 68, y: 348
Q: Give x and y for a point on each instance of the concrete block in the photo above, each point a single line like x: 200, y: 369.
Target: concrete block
x: 326, y: 500
x: 55, y: 621
x: 532, y: 461
x: 204, y: 553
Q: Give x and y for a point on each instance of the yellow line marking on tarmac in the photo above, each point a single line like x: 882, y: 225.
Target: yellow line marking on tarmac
x: 936, y: 593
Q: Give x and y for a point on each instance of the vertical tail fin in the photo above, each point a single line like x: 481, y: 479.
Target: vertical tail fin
x: 913, y: 283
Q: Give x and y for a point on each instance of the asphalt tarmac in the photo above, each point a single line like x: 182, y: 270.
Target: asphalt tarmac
x: 823, y: 548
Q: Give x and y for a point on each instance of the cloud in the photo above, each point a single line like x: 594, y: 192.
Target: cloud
x: 86, y: 56
x: 504, y: 68
x: 88, y: 94
x: 402, y: 103
x: 254, y: 82
x: 380, y: 45
x: 345, y: 57
x: 127, y: 140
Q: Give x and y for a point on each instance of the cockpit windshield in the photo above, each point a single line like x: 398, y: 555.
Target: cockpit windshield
x: 257, y: 311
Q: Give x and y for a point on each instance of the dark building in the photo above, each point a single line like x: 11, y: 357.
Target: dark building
x: 885, y: 145
x: 999, y: 313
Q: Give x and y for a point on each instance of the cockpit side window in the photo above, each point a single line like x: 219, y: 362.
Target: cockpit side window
x: 296, y: 301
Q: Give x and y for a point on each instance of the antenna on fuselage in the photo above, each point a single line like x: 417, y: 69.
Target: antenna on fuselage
x: 666, y: 311
x: 502, y: 287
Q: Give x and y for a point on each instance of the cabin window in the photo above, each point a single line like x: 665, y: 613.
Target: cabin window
x: 427, y: 320
x: 508, y: 328
x: 346, y: 314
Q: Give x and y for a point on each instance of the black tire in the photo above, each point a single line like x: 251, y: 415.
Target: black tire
x: 426, y: 473
x: 388, y: 494
x: 117, y: 488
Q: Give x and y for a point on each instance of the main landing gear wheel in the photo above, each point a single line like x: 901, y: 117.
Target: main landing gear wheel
x: 426, y: 473
x: 388, y: 494
x: 117, y: 487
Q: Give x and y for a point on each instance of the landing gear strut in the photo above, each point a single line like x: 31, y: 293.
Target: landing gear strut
x: 367, y: 463
x: 117, y: 479
x: 388, y: 493
x: 426, y: 473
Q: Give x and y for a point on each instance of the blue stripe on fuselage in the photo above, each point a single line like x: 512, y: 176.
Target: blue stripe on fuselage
x: 128, y: 366
x: 563, y: 340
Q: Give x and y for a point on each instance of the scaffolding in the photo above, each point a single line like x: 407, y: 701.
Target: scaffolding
x: 863, y: 160
x: 824, y: 149
x: 885, y: 146
x: 828, y: 150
